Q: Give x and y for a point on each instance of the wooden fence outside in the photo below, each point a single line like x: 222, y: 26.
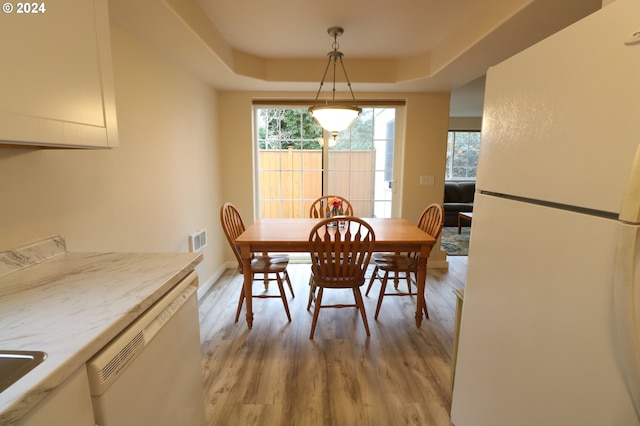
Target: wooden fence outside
x: 291, y: 180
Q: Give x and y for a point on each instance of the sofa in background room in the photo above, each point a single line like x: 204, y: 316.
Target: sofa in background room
x: 458, y: 197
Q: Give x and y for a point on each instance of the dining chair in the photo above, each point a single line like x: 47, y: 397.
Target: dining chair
x: 262, y: 266
x: 321, y: 206
x: 340, y: 249
x: 404, y: 266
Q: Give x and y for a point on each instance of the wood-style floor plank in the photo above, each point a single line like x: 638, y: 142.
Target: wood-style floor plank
x: 275, y: 375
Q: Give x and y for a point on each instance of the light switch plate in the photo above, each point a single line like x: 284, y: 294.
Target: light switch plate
x: 427, y: 180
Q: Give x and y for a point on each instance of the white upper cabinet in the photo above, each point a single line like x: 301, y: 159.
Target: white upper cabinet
x: 56, y: 77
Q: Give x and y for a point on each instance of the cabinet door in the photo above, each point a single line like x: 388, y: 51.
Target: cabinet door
x: 68, y: 405
x: 56, y: 79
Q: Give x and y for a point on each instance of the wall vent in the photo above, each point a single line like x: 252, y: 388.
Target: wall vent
x: 198, y: 240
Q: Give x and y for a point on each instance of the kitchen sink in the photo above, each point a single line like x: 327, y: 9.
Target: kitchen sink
x: 15, y: 364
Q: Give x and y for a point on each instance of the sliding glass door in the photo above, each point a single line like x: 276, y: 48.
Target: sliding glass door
x: 297, y: 162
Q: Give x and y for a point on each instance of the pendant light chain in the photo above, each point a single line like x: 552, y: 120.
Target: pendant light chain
x: 332, y: 116
x: 335, y: 55
x: 322, y: 82
x: 348, y: 82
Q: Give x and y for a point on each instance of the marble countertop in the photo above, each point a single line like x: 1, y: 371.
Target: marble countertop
x: 70, y: 305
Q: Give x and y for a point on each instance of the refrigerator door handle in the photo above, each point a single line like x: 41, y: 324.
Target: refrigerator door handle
x: 630, y: 209
x: 627, y: 306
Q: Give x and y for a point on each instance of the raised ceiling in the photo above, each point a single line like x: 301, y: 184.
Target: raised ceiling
x: 388, y: 45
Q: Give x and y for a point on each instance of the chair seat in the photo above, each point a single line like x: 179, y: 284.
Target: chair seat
x: 267, y: 264
x: 339, y: 282
x: 398, y: 263
x: 383, y: 256
x: 380, y: 256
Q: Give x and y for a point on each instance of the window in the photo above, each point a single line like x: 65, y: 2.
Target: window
x: 297, y: 162
x: 462, y: 155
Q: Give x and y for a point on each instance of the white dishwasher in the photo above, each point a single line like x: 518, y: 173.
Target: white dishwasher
x: 151, y: 374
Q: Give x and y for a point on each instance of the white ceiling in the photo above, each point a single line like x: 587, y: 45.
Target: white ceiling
x: 447, y: 45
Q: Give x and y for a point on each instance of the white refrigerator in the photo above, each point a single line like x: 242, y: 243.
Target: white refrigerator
x: 551, y: 316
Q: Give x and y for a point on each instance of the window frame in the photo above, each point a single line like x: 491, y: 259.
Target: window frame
x: 451, y: 155
x: 394, y: 185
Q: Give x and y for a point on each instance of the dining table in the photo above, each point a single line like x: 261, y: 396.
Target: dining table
x: 291, y: 235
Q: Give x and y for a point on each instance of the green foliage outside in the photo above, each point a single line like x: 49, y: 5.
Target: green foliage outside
x: 462, y: 155
x: 282, y: 128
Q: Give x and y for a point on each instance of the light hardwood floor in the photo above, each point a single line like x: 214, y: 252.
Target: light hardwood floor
x: 275, y: 375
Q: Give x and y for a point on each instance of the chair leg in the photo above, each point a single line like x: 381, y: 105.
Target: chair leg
x: 312, y: 291
x: 286, y: 277
x: 240, y: 302
x: 316, y: 310
x: 360, y: 303
x: 283, y: 296
x: 426, y: 311
x: 383, y: 288
x: 374, y: 275
x: 407, y: 276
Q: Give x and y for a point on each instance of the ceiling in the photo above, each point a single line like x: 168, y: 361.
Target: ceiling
x: 388, y: 45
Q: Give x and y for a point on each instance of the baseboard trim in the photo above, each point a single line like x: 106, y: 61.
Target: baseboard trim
x: 206, y: 286
x: 438, y: 264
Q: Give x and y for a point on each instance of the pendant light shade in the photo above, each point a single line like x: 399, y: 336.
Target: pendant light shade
x: 335, y: 119
x: 334, y: 116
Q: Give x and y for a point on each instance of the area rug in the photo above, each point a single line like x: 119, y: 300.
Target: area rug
x: 453, y: 243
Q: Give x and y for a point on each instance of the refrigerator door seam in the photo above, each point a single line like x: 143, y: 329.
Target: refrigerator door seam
x: 553, y: 205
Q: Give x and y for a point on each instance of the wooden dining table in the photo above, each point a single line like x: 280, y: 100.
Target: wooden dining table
x: 288, y: 235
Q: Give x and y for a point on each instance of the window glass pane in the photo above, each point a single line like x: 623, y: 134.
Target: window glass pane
x: 362, y: 126
x: 462, y: 154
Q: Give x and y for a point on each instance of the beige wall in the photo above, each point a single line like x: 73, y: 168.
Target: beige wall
x: 161, y: 184
x: 465, y: 123
x: 425, y: 131
x: 178, y: 139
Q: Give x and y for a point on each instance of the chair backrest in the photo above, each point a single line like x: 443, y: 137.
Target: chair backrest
x: 340, y: 249
x: 321, y: 206
x: 432, y: 220
x: 233, y: 226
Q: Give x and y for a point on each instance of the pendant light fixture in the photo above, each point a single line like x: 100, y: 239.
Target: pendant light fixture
x: 334, y: 116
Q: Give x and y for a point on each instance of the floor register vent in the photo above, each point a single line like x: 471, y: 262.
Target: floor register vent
x: 198, y: 240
